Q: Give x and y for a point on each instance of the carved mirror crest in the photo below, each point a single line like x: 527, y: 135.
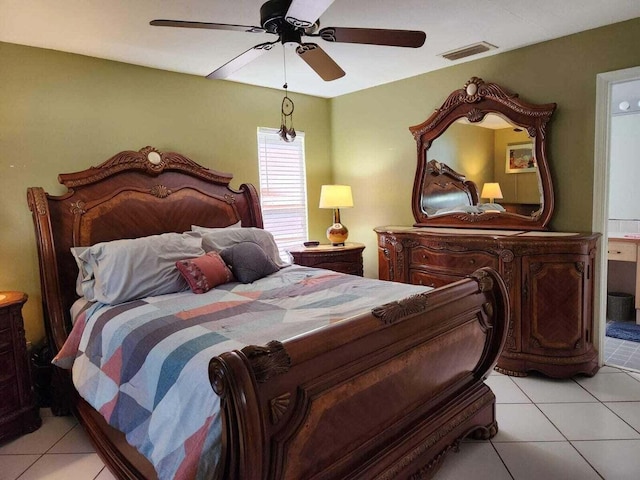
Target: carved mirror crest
x: 481, y: 136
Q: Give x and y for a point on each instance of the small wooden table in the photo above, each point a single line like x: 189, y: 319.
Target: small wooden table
x: 19, y: 413
x: 344, y: 259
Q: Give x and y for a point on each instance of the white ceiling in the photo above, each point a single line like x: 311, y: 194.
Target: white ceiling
x: 119, y: 30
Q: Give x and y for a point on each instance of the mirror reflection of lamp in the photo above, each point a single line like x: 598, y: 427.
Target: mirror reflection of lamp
x: 491, y: 190
x: 336, y: 197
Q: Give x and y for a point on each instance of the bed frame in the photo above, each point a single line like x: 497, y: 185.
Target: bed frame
x: 383, y: 395
x: 443, y: 187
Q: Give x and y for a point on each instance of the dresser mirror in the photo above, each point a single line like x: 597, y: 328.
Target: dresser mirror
x: 482, y: 162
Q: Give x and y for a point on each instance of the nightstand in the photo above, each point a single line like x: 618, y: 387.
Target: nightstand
x: 19, y: 413
x: 344, y: 259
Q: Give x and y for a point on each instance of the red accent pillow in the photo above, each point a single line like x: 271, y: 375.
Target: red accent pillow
x: 205, y: 272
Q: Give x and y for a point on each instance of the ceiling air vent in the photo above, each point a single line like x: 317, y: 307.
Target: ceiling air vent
x: 467, y: 51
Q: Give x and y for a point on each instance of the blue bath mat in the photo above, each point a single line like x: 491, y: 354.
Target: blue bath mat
x: 624, y: 330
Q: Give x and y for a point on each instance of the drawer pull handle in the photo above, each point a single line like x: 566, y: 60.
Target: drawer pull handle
x: 615, y: 252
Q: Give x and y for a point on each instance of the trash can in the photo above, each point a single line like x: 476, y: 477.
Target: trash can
x: 620, y: 306
x: 41, y: 371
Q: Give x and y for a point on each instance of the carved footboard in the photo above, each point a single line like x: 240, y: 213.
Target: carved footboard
x: 378, y: 396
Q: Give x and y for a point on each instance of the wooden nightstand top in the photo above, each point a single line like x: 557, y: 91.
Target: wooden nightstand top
x: 328, y: 248
x: 10, y: 298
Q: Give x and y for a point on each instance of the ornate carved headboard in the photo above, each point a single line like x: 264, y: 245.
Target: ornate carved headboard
x: 443, y: 187
x: 132, y: 194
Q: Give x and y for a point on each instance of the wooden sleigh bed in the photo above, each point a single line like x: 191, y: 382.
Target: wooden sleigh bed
x: 412, y: 369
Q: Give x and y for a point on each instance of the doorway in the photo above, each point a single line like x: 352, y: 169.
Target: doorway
x: 606, y: 85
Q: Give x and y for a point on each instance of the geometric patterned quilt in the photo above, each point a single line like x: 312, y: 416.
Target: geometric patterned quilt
x: 144, y: 364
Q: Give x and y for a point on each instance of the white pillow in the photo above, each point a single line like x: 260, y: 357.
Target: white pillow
x: 83, y: 276
x: 123, y: 270
x: 483, y: 207
x: 217, y: 239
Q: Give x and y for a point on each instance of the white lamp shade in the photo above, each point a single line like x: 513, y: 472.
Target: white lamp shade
x: 491, y: 190
x: 336, y: 196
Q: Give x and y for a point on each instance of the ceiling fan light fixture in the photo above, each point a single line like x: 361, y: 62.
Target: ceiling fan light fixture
x: 291, y: 38
x: 468, y: 51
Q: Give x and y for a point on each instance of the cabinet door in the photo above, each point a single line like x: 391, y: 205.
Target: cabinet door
x: 556, y: 309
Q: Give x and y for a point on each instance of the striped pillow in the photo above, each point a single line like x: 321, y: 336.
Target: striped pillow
x: 205, y: 272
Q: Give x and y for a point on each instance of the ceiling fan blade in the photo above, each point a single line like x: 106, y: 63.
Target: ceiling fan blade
x: 205, y: 25
x: 304, y: 13
x: 241, y: 60
x: 374, y: 36
x: 321, y: 63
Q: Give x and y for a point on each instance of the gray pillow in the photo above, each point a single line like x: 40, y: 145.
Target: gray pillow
x: 217, y: 239
x: 123, y: 270
x: 248, y: 262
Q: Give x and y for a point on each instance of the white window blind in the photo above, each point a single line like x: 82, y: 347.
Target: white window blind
x: 283, y: 188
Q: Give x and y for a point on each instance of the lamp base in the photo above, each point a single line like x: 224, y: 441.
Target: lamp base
x: 337, y: 234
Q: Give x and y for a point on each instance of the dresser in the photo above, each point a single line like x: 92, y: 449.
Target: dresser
x: 345, y: 258
x: 549, y: 275
x: 18, y: 410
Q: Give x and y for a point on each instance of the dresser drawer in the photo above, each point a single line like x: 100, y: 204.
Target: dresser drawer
x: 5, y: 319
x: 622, y: 251
x: 456, y: 263
x: 10, y: 397
x: 417, y: 277
x: 7, y: 367
x: 352, y: 268
x: 6, y: 340
x: 343, y: 259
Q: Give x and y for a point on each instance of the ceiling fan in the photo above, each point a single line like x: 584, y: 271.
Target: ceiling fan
x: 293, y: 19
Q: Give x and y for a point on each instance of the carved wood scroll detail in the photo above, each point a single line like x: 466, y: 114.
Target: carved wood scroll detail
x: 39, y: 200
x: 160, y: 191
x: 147, y: 159
x: 267, y: 361
x: 393, y: 311
x: 488, y: 309
x: 279, y: 406
x: 430, y: 441
x: 77, y: 208
x: 474, y: 91
x: 485, y: 282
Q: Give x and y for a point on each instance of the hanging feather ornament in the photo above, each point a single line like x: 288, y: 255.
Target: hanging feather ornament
x: 287, y: 132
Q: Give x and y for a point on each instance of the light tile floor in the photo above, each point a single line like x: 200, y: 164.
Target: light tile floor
x: 583, y: 428
x: 622, y: 353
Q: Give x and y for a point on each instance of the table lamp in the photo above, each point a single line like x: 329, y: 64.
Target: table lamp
x: 491, y: 191
x: 336, y: 197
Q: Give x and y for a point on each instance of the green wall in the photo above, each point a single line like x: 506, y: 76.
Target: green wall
x: 468, y: 149
x: 62, y: 113
x: 374, y: 152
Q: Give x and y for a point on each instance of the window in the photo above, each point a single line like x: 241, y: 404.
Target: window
x: 283, y: 188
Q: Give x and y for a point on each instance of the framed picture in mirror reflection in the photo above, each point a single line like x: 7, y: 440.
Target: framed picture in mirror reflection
x: 520, y: 158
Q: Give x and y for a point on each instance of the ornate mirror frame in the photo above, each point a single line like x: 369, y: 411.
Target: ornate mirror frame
x: 473, y: 102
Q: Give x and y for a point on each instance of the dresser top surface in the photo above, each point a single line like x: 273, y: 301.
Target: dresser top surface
x: 10, y: 298
x: 464, y: 232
